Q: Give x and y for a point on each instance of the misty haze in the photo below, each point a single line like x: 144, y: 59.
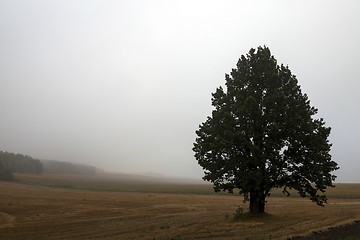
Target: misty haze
x: 123, y: 86
x: 115, y: 119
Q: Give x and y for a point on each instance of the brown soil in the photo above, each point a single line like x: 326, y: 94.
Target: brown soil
x: 334, y: 233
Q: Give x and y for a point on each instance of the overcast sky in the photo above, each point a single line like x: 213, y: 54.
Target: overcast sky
x: 123, y: 85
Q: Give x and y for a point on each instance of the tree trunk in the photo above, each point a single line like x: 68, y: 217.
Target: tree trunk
x: 257, y: 203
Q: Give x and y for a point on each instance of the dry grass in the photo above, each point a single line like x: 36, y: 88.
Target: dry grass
x: 111, y: 184
x: 39, y: 212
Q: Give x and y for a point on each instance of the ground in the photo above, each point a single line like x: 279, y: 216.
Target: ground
x: 344, y: 232
x: 43, y: 212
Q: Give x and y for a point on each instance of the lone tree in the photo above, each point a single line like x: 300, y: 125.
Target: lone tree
x: 262, y: 135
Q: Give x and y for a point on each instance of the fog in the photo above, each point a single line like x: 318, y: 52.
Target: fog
x: 123, y: 85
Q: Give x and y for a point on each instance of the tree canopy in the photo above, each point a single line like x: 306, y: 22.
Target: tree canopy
x: 20, y: 163
x: 5, y: 174
x: 262, y: 135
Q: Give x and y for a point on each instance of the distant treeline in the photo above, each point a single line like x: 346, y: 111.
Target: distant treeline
x: 17, y: 163
x: 5, y: 174
x: 20, y: 163
x: 58, y: 167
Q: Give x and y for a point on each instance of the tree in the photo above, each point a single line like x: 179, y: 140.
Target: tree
x: 20, y: 163
x: 5, y: 174
x: 262, y: 135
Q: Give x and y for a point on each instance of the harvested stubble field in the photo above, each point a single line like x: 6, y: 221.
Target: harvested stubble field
x: 31, y: 210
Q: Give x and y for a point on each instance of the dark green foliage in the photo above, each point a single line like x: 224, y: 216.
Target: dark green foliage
x: 5, y: 174
x: 20, y: 163
x: 262, y: 135
x: 239, y: 214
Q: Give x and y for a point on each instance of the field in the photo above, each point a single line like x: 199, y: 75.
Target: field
x: 58, y: 207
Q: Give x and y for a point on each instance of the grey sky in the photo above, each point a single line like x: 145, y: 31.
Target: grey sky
x: 123, y: 85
